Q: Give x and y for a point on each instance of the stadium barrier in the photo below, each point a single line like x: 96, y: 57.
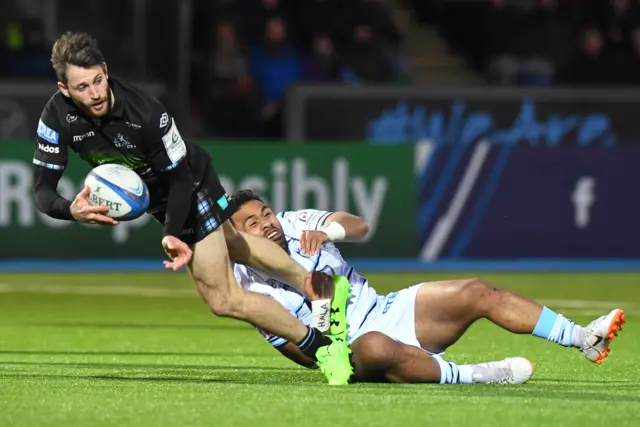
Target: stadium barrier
x: 462, y: 115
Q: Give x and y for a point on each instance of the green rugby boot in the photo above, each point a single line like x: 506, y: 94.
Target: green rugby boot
x: 342, y: 292
x: 334, y: 362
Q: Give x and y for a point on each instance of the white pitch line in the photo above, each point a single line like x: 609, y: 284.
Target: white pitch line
x: 578, y: 303
x: 32, y: 288
x: 579, y: 307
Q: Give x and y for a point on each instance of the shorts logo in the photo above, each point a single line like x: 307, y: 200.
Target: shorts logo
x: 164, y: 120
x: 390, y: 299
x: 48, y: 149
x: 46, y: 133
x: 187, y: 232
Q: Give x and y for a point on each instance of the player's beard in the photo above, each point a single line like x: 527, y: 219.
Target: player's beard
x: 89, y: 109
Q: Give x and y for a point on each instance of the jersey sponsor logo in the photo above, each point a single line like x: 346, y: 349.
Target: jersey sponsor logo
x: 121, y: 141
x: 133, y: 125
x: 174, y: 145
x: 71, y: 118
x: 164, y: 120
x: 311, y: 219
x: 48, y: 149
x: 79, y: 138
x: 46, y: 133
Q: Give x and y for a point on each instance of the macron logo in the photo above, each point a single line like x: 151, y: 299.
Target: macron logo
x: 79, y: 138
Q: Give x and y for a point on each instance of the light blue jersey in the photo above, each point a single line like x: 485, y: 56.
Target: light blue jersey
x: 329, y: 260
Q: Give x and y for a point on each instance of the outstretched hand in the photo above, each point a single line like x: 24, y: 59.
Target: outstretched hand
x: 178, y: 251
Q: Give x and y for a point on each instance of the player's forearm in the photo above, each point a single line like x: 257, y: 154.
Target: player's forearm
x: 179, y: 200
x: 178, y: 207
x: 355, y: 227
x: 47, y: 199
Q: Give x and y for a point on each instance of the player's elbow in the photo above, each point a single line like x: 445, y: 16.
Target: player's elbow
x: 363, y: 228
x: 43, y: 199
x: 359, y: 228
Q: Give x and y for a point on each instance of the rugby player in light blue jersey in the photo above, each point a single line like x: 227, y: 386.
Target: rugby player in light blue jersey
x: 400, y: 337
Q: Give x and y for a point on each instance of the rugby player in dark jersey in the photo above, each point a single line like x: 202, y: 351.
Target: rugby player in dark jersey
x: 106, y: 120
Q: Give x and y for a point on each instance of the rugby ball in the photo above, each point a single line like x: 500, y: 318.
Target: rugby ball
x: 118, y: 188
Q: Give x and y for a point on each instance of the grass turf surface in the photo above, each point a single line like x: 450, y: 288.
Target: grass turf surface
x: 143, y: 350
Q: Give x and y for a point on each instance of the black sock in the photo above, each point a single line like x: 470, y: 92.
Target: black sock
x: 314, y: 340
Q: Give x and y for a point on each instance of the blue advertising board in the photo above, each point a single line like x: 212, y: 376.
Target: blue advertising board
x: 502, y: 202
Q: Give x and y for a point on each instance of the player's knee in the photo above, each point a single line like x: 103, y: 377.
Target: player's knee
x: 373, y: 352
x: 476, y: 292
x: 237, y: 246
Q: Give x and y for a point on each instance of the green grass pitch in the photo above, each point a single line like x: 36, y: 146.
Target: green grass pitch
x: 143, y: 350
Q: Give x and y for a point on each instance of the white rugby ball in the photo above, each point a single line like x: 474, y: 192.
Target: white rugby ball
x: 118, y: 188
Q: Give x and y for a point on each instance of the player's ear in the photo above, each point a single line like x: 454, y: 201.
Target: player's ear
x: 63, y: 88
x: 104, y: 70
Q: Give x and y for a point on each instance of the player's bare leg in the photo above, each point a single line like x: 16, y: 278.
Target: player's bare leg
x: 263, y: 254
x: 444, y: 311
x: 378, y: 358
x: 210, y: 269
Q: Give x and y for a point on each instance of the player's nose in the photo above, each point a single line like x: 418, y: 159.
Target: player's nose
x: 93, y: 93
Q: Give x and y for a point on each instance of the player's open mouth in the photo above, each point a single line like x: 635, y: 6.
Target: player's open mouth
x: 98, y: 106
x: 273, y: 235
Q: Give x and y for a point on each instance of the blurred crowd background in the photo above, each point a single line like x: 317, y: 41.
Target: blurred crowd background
x: 241, y: 55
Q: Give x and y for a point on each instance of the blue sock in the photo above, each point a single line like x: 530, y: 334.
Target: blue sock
x: 556, y: 328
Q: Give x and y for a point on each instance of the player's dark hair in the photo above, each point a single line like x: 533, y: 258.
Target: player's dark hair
x: 241, y: 197
x: 79, y: 49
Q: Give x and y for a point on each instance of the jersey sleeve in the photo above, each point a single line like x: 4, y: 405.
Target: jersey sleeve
x: 50, y: 160
x: 167, y: 149
x: 305, y: 220
x: 51, y: 145
x: 167, y: 152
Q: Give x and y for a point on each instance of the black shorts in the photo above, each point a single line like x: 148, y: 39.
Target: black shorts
x: 210, y: 208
